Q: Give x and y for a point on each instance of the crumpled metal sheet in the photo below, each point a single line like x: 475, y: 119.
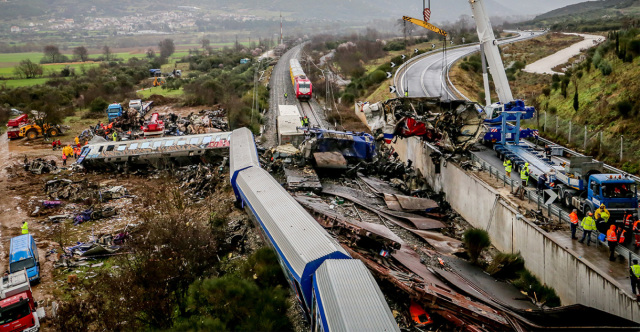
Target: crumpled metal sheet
x: 378, y: 186
x: 417, y: 221
x: 442, y: 243
x: 333, y: 160
x: 407, y: 203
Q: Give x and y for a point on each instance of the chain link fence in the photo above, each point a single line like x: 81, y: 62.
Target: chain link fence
x: 610, y: 148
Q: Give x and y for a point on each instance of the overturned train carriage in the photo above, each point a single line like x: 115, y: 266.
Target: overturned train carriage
x: 452, y: 125
x: 157, y: 152
x: 304, y: 249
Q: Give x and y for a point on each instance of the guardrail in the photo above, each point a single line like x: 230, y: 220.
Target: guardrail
x: 552, y: 210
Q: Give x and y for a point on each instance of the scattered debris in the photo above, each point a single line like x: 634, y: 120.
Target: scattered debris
x: 452, y: 125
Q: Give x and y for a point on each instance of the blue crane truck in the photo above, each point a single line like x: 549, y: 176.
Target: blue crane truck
x: 114, y: 111
x: 582, y: 185
x: 493, y: 120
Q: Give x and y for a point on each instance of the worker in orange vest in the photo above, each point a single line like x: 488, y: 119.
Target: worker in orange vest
x: 612, y: 240
x: 64, y: 159
x: 636, y: 233
x: 573, y: 218
x: 627, y: 220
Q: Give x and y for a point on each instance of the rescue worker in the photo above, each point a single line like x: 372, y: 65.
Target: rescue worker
x: 64, y: 159
x: 628, y: 220
x: 524, y: 175
x: 573, y: 219
x: 612, y: 240
x: 634, y: 275
x: 602, y: 218
x: 115, y: 136
x: 602, y: 214
x: 547, y: 151
x: 588, y: 226
x: 507, y: 167
x: 77, y: 140
x: 636, y: 233
x: 406, y: 93
x: 25, y: 228
x: 285, y: 96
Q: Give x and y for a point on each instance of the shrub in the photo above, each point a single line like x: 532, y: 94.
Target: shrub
x: 542, y: 293
x: 605, y: 68
x: 476, y: 240
x: 377, y: 76
x: 348, y: 98
x: 506, y: 266
x: 624, y: 107
x: 98, y: 105
x: 546, y: 92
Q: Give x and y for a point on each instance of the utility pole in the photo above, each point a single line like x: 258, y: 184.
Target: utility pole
x: 281, y: 35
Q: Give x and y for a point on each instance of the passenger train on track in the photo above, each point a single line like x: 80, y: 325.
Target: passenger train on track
x: 336, y: 292
x: 301, y: 83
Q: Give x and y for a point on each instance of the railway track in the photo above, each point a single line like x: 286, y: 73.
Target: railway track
x: 308, y: 111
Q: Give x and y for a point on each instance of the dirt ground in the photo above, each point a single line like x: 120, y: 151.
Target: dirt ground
x: 24, y: 191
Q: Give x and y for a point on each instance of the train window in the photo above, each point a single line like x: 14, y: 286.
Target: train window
x: 194, y: 140
x: 110, y: 147
x: 207, y: 140
x: 157, y: 144
x: 100, y: 149
x: 183, y: 142
x: 145, y: 145
x: 122, y: 147
x: 133, y: 146
x: 169, y: 143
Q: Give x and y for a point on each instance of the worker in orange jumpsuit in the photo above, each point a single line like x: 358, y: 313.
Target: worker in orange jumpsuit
x: 573, y: 218
x: 636, y: 233
x: 612, y: 240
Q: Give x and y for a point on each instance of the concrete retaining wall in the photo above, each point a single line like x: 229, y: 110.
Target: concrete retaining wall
x: 574, y: 280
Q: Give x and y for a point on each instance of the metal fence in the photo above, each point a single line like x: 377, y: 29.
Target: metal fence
x: 608, y: 147
x: 553, y: 212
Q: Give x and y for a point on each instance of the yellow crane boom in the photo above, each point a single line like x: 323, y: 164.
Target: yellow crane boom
x: 425, y: 25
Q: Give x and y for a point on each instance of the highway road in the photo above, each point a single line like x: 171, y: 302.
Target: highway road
x: 427, y: 77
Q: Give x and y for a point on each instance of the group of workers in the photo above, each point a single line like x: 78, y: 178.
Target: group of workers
x: 70, y: 151
x: 615, y: 233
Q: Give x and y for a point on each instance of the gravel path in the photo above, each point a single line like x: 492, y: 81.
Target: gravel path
x: 546, y: 65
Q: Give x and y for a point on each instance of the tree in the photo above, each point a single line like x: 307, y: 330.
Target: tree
x: 151, y: 54
x: 106, y: 51
x: 166, y: 48
x: 205, y: 43
x: 576, y: 103
x: 52, y: 52
x: 81, y: 53
x: 28, y: 69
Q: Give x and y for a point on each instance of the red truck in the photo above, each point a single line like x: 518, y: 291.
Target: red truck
x: 13, y: 126
x: 17, y: 307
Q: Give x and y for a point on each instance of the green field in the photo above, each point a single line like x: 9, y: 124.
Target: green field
x: 145, y: 94
x: 23, y: 82
x: 9, y: 60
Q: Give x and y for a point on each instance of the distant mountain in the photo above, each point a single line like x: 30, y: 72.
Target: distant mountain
x: 351, y: 10
x: 590, y: 11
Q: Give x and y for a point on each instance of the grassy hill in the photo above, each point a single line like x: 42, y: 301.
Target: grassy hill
x: 608, y: 94
x: 590, y: 16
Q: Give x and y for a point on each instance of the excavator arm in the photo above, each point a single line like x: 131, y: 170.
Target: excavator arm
x: 425, y: 25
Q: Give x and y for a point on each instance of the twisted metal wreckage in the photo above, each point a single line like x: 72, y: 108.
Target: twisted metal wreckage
x: 452, y: 126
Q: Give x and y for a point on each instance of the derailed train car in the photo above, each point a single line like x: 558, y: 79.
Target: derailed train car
x: 169, y: 150
x: 308, y: 255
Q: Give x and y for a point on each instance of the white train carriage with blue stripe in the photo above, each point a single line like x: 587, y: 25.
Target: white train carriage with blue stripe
x: 303, y: 248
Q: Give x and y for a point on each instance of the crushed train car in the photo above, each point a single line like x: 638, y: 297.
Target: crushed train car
x: 157, y: 152
x: 451, y: 125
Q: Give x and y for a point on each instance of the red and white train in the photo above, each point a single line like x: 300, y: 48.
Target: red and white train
x: 301, y: 83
